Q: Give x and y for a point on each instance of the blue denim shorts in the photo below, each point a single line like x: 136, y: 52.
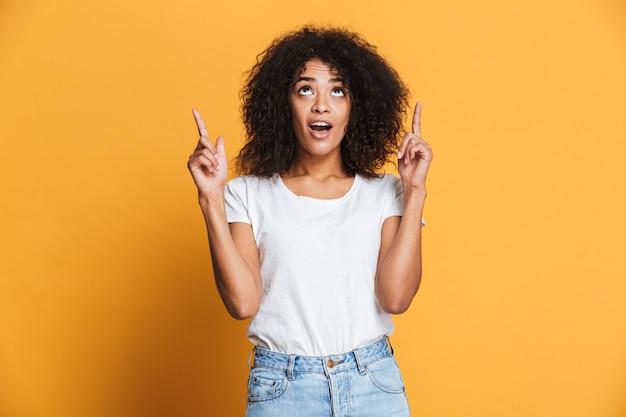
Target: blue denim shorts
x: 363, y: 383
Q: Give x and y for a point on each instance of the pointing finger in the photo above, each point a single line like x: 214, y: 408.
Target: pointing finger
x: 417, y: 119
x: 200, y: 123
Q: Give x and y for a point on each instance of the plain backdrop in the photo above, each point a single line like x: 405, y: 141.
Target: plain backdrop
x: 107, y: 301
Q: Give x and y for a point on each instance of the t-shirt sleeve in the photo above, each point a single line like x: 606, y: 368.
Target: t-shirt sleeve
x: 397, y: 206
x: 236, y: 199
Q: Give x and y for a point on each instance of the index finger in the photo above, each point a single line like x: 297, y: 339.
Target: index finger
x: 417, y: 119
x: 200, y: 123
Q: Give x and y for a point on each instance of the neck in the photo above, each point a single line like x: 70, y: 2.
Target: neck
x: 317, y: 167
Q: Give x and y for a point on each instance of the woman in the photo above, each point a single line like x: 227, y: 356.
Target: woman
x: 311, y: 242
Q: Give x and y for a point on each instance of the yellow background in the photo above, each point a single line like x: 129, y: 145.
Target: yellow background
x: 107, y: 304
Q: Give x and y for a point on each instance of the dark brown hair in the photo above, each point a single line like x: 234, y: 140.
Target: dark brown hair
x: 378, y: 102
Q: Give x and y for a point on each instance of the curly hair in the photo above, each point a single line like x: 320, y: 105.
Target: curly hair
x: 377, y: 94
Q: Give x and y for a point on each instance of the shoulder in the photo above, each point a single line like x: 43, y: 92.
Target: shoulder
x: 250, y: 182
x: 243, y: 195
x: 385, y: 192
x: 383, y: 183
x: 252, y: 188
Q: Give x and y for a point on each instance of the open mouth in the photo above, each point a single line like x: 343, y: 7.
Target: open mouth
x: 320, y: 126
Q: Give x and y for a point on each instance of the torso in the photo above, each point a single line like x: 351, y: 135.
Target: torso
x: 318, y: 259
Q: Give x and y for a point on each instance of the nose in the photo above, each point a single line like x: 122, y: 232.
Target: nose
x: 320, y: 105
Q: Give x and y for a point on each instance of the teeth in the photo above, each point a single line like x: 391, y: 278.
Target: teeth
x: 321, y: 124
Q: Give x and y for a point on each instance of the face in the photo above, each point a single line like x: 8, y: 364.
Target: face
x: 320, y: 109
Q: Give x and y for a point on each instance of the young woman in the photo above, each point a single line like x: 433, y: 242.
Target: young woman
x: 311, y: 242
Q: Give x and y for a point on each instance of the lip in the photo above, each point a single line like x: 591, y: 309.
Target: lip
x: 320, y: 134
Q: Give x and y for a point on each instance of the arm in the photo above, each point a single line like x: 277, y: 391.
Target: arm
x: 233, y: 249
x: 400, y: 260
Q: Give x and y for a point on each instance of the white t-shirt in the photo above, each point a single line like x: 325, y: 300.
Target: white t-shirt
x: 318, y: 262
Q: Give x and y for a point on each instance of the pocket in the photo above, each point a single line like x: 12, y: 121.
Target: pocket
x: 385, y: 374
x: 266, y: 383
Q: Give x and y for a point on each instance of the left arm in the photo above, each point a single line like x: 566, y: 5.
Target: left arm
x: 400, y: 259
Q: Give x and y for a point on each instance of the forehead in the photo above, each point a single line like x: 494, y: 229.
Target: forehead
x: 316, y: 66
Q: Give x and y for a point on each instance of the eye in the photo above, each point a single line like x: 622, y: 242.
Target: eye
x: 305, y: 91
x: 338, y: 92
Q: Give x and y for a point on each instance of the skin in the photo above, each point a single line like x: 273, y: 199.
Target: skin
x: 400, y: 261
x: 318, y: 95
x: 317, y: 172
x: 233, y: 249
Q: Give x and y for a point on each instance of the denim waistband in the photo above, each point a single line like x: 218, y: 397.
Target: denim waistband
x: 358, y: 358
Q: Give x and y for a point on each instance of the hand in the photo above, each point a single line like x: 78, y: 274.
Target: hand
x: 208, y: 164
x: 414, y: 154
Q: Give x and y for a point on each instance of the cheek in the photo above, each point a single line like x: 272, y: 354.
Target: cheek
x: 297, y: 123
x: 347, y: 106
x: 346, y: 112
x: 297, y: 112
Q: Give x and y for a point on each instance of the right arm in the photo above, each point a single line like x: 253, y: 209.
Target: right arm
x: 233, y: 249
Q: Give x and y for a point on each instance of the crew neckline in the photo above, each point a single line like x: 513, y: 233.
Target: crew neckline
x: 292, y: 195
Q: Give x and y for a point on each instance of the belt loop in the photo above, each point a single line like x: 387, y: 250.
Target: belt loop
x: 292, y: 363
x: 359, y: 362
x: 251, y: 358
x: 389, y: 344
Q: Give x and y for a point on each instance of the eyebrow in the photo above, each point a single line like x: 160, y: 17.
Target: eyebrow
x: 310, y: 79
